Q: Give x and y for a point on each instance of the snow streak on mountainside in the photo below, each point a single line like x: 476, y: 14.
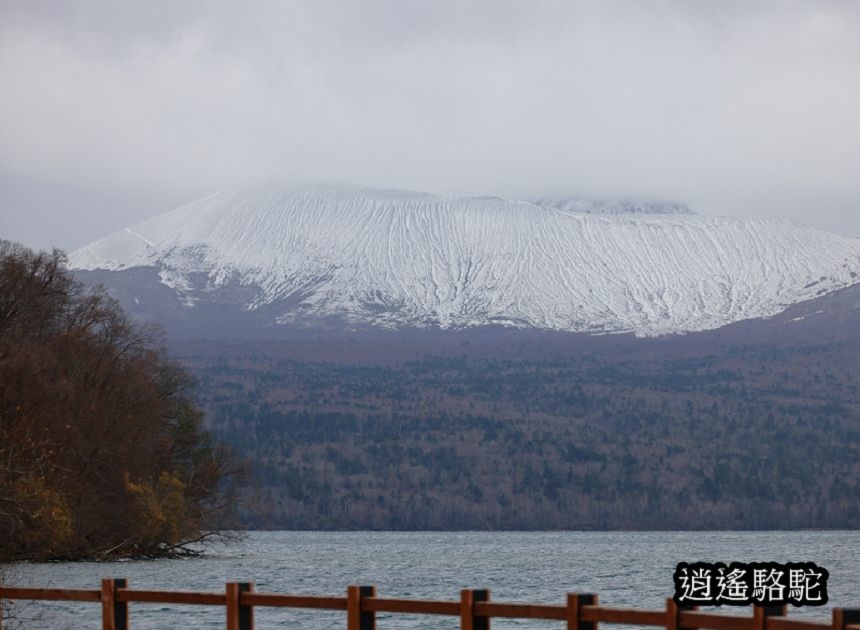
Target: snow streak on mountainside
x: 589, y: 206
x: 394, y: 258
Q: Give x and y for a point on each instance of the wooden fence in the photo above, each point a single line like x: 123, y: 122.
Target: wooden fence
x: 474, y: 608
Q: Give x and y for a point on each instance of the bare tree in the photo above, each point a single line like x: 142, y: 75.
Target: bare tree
x: 101, y: 450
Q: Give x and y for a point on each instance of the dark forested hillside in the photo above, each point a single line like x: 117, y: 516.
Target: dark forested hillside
x: 544, y: 431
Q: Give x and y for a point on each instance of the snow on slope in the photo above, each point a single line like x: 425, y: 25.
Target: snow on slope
x: 395, y: 258
x: 590, y: 206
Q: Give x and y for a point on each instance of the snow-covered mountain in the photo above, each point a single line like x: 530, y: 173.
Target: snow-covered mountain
x: 402, y: 259
x: 591, y: 206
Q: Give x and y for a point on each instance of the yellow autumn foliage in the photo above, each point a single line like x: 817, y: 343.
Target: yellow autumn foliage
x: 51, y: 520
x: 102, y: 451
x: 162, y: 514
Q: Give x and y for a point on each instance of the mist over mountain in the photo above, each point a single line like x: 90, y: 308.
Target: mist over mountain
x: 265, y: 256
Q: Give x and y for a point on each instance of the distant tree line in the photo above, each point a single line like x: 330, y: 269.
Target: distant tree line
x: 743, y: 437
x: 102, y: 452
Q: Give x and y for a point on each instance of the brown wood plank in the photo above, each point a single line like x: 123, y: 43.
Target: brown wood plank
x: 785, y: 623
x: 762, y: 613
x: 239, y: 616
x: 51, y: 594
x: 673, y: 614
x: 520, y: 611
x: 572, y: 612
x: 108, y: 597
x: 293, y: 601
x: 231, y: 601
x: 357, y: 617
x: 712, y: 621
x: 117, y: 610
x: 466, y: 601
x: 673, y: 611
x: 412, y: 606
x: 576, y: 604
x: 468, y: 619
x: 194, y: 598
x: 845, y: 618
x: 639, y: 617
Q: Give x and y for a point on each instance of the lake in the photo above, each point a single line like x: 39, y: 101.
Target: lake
x: 624, y: 568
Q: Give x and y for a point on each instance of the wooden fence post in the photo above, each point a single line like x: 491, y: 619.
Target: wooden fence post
x: 356, y: 618
x: 468, y: 619
x: 673, y: 614
x: 114, y: 613
x: 844, y: 617
x: 574, y: 611
x: 239, y: 616
x: 761, y: 613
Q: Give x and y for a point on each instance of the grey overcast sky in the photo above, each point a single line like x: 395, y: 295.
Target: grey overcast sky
x: 112, y: 111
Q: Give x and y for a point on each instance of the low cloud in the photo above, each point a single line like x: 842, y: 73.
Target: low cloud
x: 113, y: 112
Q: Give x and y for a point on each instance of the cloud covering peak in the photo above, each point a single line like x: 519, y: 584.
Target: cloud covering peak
x: 112, y: 111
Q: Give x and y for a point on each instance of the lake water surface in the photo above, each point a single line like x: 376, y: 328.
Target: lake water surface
x: 624, y: 568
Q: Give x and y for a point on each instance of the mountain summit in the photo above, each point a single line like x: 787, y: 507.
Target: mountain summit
x: 395, y: 259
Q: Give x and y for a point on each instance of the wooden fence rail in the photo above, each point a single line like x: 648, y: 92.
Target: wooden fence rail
x: 475, y: 609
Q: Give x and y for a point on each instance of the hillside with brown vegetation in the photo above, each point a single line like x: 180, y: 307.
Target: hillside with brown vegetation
x: 102, y: 452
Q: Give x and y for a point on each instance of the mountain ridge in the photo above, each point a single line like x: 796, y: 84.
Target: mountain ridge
x: 387, y: 258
